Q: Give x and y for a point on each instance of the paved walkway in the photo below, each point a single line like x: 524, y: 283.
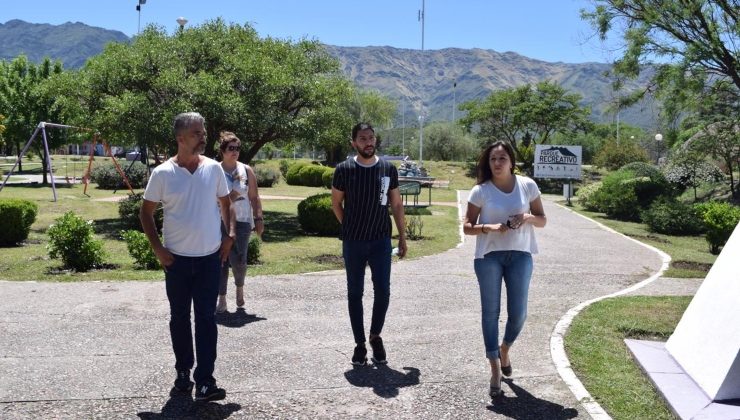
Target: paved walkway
x: 102, y: 349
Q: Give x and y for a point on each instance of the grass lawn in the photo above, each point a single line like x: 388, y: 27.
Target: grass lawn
x: 286, y: 249
x: 595, y: 346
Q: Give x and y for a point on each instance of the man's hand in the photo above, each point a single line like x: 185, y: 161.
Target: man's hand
x: 226, y: 243
x: 259, y: 227
x: 402, y: 247
x: 164, y: 256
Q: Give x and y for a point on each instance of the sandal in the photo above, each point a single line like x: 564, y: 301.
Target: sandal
x: 495, y: 390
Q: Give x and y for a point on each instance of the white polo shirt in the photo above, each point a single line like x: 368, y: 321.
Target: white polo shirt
x: 495, y: 207
x: 192, y: 220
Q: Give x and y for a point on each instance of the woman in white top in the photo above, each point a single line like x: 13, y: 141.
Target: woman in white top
x: 246, y: 213
x: 503, y: 209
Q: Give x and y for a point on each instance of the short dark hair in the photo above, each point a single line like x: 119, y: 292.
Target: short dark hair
x: 484, y: 172
x: 185, y: 120
x: 361, y: 126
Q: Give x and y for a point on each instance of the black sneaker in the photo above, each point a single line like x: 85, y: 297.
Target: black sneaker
x: 209, y: 393
x: 378, y: 350
x: 183, y: 384
x: 359, y: 358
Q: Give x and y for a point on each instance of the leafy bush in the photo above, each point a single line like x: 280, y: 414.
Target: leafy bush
x: 107, y: 177
x: 720, y: 220
x: 311, y: 175
x: 655, y: 185
x: 613, y: 155
x: 72, y: 240
x: 327, y: 177
x: 266, y: 177
x: 284, y: 165
x: 140, y: 250
x: 316, y: 215
x: 291, y: 176
x: 414, y: 227
x: 584, y: 196
x: 673, y: 217
x: 616, y: 197
x: 128, y: 210
x: 16, y: 218
x: 253, y: 250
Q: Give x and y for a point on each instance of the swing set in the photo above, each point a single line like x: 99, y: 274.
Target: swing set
x: 41, y: 127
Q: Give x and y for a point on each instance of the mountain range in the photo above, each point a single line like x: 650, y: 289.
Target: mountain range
x: 430, y: 81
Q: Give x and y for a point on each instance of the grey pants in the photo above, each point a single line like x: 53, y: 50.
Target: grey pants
x: 237, y: 257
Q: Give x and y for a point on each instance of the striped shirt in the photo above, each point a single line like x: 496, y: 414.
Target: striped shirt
x: 366, y: 198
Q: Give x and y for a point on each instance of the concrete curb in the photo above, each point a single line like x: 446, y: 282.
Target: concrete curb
x: 557, y: 348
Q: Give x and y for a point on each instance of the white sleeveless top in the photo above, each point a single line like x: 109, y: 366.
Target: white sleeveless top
x: 238, y: 181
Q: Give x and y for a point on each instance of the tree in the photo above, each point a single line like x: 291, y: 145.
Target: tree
x: 698, y: 36
x: 261, y: 89
x: 688, y: 167
x: 526, y: 115
x: 2, y: 129
x: 447, y: 141
x: 25, y: 103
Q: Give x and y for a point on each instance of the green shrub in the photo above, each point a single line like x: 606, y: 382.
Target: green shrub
x: 266, y: 177
x: 291, y: 176
x: 720, y: 220
x: 672, y: 217
x: 128, y: 211
x: 284, y: 165
x: 648, y: 190
x: 311, y: 175
x: 613, y: 155
x: 72, y: 240
x: 584, y: 196
x: 107, y: 177
x: 16, y: 218
x: 316, y: 215
x: 140, y: 250
x: 327, y: 177
x: 414, y: 227
x: 617, y: 197
x: 253, y: 250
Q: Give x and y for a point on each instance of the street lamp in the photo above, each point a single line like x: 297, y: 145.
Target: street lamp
x: 421, y: 141
x: 658, y: 140
x: 182, y: 22
x: 138, y: 9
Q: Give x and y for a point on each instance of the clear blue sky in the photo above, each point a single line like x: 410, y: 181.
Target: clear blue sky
x: 549, y: 30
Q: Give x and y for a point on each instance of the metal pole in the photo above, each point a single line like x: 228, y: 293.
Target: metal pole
x: 403, y: 129
x: 48, y: 161
x: 421, y: 18
x: 22, y: 153
x: 421, y: 141
x: 454, y: 99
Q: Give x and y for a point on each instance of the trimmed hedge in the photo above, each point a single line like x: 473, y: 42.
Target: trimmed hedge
x: 311, y: 175
x: 140, y: 250
x: 107, y: 177
x: 327, y: 177
x: 16, y: 218
x: 316, y: 216
x: 266, y: 177
x: 584, y: 196
x: 673, y: 217
x: 291, y: 176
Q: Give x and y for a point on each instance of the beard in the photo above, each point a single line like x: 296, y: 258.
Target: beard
x: 199, y: 149
x: 365, y: 154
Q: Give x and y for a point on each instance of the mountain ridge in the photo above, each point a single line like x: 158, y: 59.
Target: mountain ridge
x: 428, y: 81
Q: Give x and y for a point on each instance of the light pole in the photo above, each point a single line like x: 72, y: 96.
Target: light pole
x: 182, y: 22
x: 454, y: 99
x: 658, y: 140
x: 421, y: 140
x: 138, y: 9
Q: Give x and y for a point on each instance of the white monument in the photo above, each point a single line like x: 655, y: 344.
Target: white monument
x: 706, y: 342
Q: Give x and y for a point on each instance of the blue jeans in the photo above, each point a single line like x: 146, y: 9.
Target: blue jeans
x: 515, y: 268
x: 357, y: 255
x: 194, y: 280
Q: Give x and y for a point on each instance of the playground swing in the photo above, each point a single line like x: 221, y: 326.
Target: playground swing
x: 41, y: 127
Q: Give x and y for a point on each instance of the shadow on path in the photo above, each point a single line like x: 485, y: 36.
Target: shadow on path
x: 526, y: 406
x: 237, y: 319
x: 385, y: 381
x: 183, y: 407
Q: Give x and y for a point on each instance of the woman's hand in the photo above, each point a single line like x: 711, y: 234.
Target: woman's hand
x: 517, y: 220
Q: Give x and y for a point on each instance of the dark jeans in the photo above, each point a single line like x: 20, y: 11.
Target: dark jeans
x: 194, y: 279
x: 357, y: 255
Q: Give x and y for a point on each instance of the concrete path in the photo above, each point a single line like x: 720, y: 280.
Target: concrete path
x: 102, y: 349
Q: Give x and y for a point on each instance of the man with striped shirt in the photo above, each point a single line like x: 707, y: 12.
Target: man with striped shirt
x: 362, y: 188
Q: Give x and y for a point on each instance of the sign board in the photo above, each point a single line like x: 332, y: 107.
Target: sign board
x: 552, y: 161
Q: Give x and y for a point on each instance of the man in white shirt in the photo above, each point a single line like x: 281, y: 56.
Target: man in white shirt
x: 190, y: 187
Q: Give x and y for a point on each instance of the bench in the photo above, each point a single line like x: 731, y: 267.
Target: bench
x: 411, y: 189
